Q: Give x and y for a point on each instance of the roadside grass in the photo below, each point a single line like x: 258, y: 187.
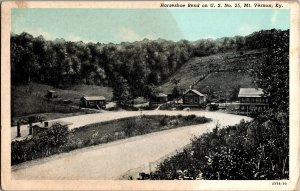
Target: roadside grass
x: 99, y: 133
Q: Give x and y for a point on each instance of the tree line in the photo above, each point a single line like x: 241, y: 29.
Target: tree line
x: 132, y: 69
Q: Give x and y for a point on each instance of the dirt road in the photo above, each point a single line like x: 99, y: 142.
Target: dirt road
x: 109, y: 161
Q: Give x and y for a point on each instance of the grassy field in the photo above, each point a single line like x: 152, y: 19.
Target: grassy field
x: 92, y: 90
x: 226, y: 80
x: 98, y: 133
x: 205, y: 67
x: 31, y: 99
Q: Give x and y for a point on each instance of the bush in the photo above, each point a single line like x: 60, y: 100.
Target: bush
x: 164, y: 121
x: 189, y: 117
x: 130, y: 126
x: 256, y: 150
x: 43, y: 144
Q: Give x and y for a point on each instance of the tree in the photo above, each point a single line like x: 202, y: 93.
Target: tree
x: 121, y: 91
x: 273, y: 74
x: 24, y: 60
x: 176, y: 93
x: 150, y: 91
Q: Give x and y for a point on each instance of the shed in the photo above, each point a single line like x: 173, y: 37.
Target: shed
x: 51, y: 94
x: 96, y: 102
x: 159, y: 98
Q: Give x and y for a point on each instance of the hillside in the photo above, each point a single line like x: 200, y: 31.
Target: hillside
x: 31, y: 98
x: 218, y: 72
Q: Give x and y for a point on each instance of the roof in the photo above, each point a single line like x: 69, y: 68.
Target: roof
x: 52, y: 91
x: 161, y: 95
x: 195, y: 91
x: 91, y: 98
x: 251, y: 92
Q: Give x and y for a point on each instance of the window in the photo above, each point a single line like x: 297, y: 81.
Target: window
x: 196, y: 100
x: 186, y: 99
x: 91, y: 102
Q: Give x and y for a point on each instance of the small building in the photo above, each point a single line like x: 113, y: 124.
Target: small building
x: 51, y: 94
x: 253, y: 100
x: 97, y: 102
x: 39, y: 128
x: 192, y: 97
x: 158, y: 98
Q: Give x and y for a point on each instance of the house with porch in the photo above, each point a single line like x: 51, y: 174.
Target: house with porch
x: 253, y: 100
x: 192, y: 97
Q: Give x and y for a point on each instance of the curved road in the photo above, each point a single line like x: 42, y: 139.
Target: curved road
x: 111, y: 160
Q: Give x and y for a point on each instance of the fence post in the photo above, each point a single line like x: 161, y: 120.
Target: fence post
x: 30, y: 129
x: 18, y: 129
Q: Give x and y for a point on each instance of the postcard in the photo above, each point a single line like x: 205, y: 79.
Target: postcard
x: 150, y: 95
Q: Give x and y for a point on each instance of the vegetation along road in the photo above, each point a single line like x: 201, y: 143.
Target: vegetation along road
x: 111, y: 160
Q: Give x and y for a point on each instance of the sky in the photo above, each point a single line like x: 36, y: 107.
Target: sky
x: 129, y: 25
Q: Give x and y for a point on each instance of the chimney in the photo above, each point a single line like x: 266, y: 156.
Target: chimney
x: 46, y: 123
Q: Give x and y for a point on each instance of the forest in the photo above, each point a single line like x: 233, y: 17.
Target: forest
x: 132, y: 69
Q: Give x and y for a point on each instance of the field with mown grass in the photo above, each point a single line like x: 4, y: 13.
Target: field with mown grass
x: 30, y: 99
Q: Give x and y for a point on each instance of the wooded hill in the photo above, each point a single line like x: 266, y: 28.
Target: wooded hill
x: 137, y: 68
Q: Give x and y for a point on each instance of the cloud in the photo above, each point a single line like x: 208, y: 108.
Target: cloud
x: 210, y: 37
x: 128, y: 35
x: 35, y: 32
x: 38, y: 31
x: 73, y: 38
x: 76, y: 38
x: 247, y: 29
x: 274, y: 18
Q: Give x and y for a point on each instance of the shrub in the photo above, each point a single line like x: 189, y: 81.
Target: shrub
x: 189, y: 117
x: 179, y: 116
x: 43, y: 144
x: 250, y: 150
x: 164, y: 121
x: 129, y: 126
